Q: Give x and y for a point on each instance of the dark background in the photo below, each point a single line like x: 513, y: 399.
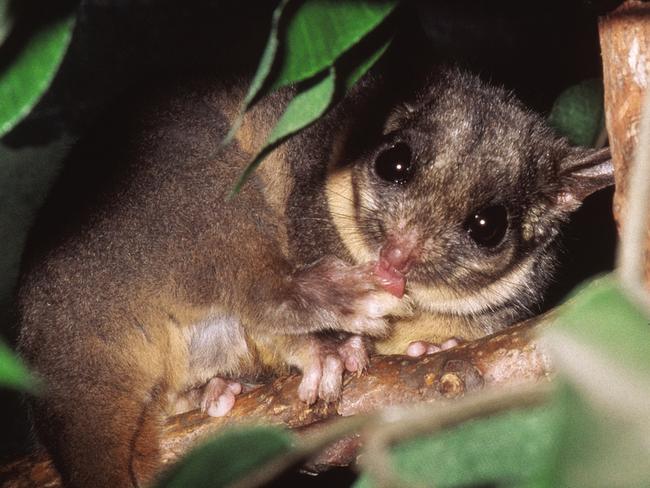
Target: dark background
x: 534, y: 48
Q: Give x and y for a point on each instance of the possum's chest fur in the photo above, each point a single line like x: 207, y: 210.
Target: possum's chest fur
x: 216, y: 345
x: 219, y: 345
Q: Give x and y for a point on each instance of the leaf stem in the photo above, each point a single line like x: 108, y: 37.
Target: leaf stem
x: 632, y: 251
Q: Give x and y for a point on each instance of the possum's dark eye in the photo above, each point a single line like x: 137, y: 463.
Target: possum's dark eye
x: 488, y: 226
x: 394, y: 164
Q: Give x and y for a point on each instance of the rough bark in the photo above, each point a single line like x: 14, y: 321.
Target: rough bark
x: 625, y: 48
x: 506, y: 358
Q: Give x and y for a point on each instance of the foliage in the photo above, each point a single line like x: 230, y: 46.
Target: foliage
x: 316, y: 36
x: 601, y: 344
x: 27, y: 67
x: 12, y: 372
x: 579, y: 113
x: 231, y: 456
x: 31, y: 70
x: 515, y: 447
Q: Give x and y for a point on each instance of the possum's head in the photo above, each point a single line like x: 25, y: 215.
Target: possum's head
x: 465, y: 193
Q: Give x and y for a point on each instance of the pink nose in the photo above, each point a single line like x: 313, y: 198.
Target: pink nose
x: 395, y: 259
x: 399, y: 251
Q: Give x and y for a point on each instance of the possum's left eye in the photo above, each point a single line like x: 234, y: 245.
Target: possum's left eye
x: 487, y: 226
x: 394, y: 163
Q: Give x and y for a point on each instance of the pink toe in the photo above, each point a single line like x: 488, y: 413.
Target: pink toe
x: 330, y: 383
x: 352, y: 365
x: 223, y: 405
x: 416, y: 349
x: 354, y: 354
x: 308, y: 389
x: 449, y: 343
x: 433, y: 348
x: 235, y: 388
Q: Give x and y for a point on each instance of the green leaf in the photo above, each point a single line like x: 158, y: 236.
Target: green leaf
x: 364, y: 65
x: 320, y: 31
x: 268, y: 56
x: 23, y: 82
x: 595, y: 432
x: 317, y: 33
x: 6, y: 20
x: 602, y: 318
x: 600, y: 447
x: 515, y: 448
x: 600, y: 345
x: 231, y: 456
x: 263, y: 70
x: 578, y: 113
x: 12, y: 372
x: 307, y: 106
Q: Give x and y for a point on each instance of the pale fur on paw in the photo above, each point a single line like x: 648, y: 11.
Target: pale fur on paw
x: 349, y: 296
x: 370, y: 313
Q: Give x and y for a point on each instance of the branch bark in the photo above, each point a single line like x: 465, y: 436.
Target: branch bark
x: 509, y: 357
x: 625, y: 48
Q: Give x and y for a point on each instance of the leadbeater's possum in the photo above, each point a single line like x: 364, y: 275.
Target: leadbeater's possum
x: 403, y: 215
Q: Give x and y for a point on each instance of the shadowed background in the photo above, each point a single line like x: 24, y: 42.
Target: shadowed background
x: 124, y: 42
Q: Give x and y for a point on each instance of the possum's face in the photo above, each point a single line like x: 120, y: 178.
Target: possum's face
x: 464, y: 194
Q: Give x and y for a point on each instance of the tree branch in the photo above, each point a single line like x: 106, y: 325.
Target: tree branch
x: 509, y: 357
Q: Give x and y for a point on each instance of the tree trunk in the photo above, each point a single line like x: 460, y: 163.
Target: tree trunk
x: 625, y: 48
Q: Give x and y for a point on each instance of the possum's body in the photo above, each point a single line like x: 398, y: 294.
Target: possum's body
x: 142, y: 281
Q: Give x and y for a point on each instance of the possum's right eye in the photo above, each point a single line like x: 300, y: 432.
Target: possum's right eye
x: 393, y: 164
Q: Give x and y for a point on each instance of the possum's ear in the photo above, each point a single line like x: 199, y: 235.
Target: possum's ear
x: 399, y: 114
x: 583, y: 172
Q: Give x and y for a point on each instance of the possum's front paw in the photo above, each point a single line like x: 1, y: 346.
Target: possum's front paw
x: 352, y: 298
x: 354, y: 352
x: 324, y: 365
x: 322, y: 377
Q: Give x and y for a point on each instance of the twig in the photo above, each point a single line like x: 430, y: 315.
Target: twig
x: 631, y: 254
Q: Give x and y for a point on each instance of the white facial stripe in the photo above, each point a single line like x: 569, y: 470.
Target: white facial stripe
x: 444, y: 300
x: 340, y: 202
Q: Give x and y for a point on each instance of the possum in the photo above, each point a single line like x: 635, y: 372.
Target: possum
x: 410, y: 212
